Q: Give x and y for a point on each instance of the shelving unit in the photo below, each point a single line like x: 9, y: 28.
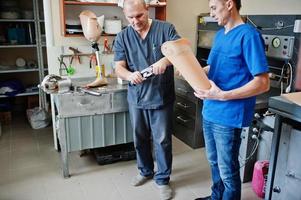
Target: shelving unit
x: 159, y: 11
x: 18, y: 70
x: 18, y: 46
x: 16, y: 20
x: 22, y: 94
x: 30, y: 48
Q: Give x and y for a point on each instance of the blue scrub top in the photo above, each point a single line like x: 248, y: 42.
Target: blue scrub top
x: 139, y: 54
x: 236, y: 57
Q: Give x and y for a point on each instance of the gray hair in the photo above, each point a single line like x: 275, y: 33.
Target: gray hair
x: 133, y: 2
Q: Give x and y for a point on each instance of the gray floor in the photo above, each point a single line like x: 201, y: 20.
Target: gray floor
x: 30, y: 170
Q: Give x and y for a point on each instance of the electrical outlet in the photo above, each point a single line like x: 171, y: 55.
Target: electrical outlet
x: 297, y: 27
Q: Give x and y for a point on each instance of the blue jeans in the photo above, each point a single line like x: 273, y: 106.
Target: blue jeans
x: 152, y: 130
x: 222, y: 149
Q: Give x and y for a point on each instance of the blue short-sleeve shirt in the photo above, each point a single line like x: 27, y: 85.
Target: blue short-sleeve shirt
x: 235, y: 58
x: 140, y: 53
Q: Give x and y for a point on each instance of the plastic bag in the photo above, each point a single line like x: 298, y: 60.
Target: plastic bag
x: 38, y: 117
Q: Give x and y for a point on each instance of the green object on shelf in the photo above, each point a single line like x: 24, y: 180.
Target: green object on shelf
x: 70, y: 70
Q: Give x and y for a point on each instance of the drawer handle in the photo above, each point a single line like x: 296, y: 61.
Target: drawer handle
x: 86, y: 103
x: 182, y: 120
x: 182, y: 90
x: 183, y: 105
x: 277, y: 189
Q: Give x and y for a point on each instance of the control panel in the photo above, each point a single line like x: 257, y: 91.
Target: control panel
x: 278, y: 46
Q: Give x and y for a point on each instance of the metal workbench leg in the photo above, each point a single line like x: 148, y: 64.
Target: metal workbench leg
x: 53, y: 122
x: 273, y: 157
x: 64, y: 148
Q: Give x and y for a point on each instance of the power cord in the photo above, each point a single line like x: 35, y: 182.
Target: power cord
x: 289, y: 87
x: 290, y: 82
x: 281, y: 78
x: 254, y: 148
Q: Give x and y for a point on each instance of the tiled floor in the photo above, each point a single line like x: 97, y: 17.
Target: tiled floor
x: 30, y: 170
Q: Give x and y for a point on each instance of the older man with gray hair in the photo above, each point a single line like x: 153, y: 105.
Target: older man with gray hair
x: 150, y: 100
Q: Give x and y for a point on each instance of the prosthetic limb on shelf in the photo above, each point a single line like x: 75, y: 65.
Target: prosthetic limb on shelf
x: 179, y: 53
x: 92, y: 32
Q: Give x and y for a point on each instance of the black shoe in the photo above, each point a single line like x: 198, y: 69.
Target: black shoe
x: 204, y: 198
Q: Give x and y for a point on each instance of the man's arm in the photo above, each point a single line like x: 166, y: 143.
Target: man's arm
x: 258, y: 85
x: 160, y: 66
x: 123, y: 73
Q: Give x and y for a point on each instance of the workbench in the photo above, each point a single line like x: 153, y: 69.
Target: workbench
x: 84, y: 121
x: 284, y: 176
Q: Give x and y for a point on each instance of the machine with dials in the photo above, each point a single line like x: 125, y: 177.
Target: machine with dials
x: 278, y: 46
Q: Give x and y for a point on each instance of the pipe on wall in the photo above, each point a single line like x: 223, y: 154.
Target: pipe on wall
x: 48, y: 23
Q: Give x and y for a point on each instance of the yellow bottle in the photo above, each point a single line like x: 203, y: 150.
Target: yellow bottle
x: 103, y: 71
x: 98, y: 72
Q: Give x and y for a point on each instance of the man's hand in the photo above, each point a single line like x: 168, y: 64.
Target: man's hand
x: 135, y: 78
x: 213, y: 93
x: 160, y: 66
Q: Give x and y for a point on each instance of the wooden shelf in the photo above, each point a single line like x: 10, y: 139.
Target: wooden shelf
x: 160, y: 12
x: 161, y: 4
x: 89, y: 3
x: 82, y: 35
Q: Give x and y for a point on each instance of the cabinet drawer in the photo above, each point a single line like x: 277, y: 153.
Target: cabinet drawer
x: 119, y: 101
x: 76, y: 104
x: 184, y: 119
x: 185, y: 105
x: 191, y: 137
x: 183, y: 88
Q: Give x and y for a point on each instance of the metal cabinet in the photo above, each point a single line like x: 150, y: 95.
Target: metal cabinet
x: 284, y: 175
x: 84, y: 121
x: 187, y: 115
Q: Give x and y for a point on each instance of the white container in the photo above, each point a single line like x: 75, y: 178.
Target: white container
x: 20, y: 62
x: 112, y: 26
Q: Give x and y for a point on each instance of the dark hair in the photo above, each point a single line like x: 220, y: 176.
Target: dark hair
x: 238, y: 4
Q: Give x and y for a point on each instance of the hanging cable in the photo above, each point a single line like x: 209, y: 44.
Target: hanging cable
x: 281, y: 78
x: 289, y: 87
x: 254, y: 148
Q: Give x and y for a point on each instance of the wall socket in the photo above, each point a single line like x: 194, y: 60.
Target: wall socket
x: 297, y: 26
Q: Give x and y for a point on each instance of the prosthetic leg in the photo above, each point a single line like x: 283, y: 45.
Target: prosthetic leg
x: 179, y: 53
x: 92, y: 32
